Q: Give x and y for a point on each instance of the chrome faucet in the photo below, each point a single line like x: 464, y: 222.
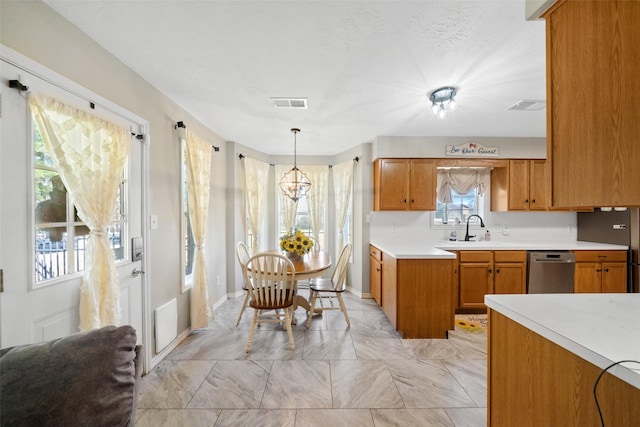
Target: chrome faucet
x: 466, y: 235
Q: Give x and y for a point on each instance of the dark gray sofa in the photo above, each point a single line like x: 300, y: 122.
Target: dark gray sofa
x: 85, y: 379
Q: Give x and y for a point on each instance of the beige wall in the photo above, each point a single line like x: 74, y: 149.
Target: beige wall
x: 34, y: 30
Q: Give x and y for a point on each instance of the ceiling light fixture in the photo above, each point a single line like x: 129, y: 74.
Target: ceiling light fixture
x: 443, y: 100
x: 295, y: 183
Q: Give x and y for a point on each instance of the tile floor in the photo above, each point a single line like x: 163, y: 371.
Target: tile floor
x: 337, y: 376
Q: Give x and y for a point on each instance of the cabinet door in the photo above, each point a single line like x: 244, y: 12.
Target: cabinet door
x: 614, y: 277
x: 389, y: 293
x: 422, y: 185
x: 475, y: 282
x: 539, y: 187
x: 375, y: 271
x: 518, y: 185
x: 593, y: 138
x: 393, y: 185
x: 587, y: 277
x: 509, y: 278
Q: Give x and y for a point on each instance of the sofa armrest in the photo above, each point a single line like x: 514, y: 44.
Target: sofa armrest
x: 88, y: 378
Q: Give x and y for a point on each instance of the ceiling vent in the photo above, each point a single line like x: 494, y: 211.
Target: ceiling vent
x: 528, y: 105
x: 297, y: 103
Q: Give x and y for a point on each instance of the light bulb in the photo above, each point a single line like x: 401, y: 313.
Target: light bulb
x: 442, y: 112
x: 435, y: 108
x: 453, y: 105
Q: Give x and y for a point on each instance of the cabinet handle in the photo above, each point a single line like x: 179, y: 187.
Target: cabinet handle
x: 599, y: 271
x: 412, y: 200
x: 489, y: 271
x: 405, y: 200
x: 377, y: 269
x: 533, y: 201
x: 526, y: 201
x: 606, y: 270
x: 497, y: 271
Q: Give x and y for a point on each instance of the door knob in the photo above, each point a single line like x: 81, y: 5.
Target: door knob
x: 136, y: 272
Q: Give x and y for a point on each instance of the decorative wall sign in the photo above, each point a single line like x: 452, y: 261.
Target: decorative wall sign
x: 471, y: 149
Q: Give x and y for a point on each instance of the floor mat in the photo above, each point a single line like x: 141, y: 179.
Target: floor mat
x: 472, y: 323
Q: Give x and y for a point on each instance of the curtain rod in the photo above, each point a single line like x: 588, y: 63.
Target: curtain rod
x: 18, y: 85
x: 241, y: 156
x: 181, y: 125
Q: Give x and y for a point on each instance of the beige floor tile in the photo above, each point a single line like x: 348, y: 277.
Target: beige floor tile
x: 178, y: 418
x: 262, y: 418
x: 411, y: 418
x: 364, y: 375
x: 363, y: 384
x: 334, y: 418
x: 427, y: 384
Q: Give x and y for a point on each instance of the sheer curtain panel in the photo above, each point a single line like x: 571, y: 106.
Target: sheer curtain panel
x: 198, y: 153
x: 289, y: 207
x: 317, y: 196
x: 256, y: 177
x: 343, y: 183
x: 90, y: 154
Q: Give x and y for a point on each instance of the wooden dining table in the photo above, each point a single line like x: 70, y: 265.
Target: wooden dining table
x: 310, y: 265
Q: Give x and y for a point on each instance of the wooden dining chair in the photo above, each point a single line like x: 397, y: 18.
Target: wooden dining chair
x: 271, y: 284
x: 242, y: 253
x: 328, y: 289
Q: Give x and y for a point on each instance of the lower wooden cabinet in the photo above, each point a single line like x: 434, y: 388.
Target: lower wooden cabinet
x: 510, y: 272
x: 375, y: 273
x: 417, y: 296
x: 600, y: 272
x: 490, y: 272
x: 476, y: 278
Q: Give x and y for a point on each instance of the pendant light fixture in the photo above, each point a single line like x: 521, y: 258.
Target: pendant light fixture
x: 295, y: 184
x: 443, y: 100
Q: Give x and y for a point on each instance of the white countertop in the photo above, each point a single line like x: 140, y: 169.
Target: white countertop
x: 600, y: 328
x: 434, y: 249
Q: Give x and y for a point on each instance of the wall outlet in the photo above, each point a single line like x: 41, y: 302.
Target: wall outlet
x: 217, y: 280
x: 505, y: 230
x: 394, y: 228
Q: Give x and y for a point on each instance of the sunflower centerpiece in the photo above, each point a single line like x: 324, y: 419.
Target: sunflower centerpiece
x: 295, y: 243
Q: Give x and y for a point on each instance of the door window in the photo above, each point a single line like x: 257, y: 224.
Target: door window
x: 60, y: 236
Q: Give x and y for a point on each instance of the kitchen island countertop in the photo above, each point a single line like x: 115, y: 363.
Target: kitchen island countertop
x: 599, y: 328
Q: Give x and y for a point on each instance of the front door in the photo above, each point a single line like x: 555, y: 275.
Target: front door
x: 42, y: 261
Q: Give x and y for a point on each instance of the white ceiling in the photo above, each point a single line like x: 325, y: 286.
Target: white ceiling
x: 365, y: 66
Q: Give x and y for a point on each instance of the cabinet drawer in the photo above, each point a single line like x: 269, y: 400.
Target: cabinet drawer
x: 475, y: 256
x: 510, y: 256
x: 375, y: 253
x: 600, y: 256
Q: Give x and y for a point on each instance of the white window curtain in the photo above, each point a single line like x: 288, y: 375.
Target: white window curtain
x: 90, y: 154
x: 343, y: 186
x: 289, y: 208
x: 256, y: 177
x: 198, y: 159
x: 317, y: 196
x: 462, y: 180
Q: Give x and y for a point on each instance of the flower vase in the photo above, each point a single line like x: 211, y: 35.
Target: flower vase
x: 294, y: 256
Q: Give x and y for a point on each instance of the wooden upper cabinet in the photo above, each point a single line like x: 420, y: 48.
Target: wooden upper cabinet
x: 404, y: 184
x: 593, y: 58
x: 519, y: 185
x: 539, y: 185
x: 522, y: 186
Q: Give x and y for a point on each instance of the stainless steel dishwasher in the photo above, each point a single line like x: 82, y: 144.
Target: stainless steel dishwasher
x: 550, y: 272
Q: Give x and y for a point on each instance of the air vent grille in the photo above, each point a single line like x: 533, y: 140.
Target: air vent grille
x: 528, y: 105
x: 297, y: 103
